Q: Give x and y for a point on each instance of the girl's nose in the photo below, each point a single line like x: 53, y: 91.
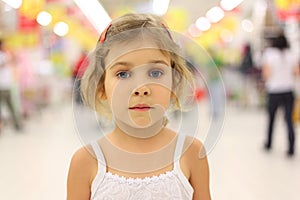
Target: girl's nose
x: 142, y: 91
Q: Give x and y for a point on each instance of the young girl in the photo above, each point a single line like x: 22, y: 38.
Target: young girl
x: 136, y: 76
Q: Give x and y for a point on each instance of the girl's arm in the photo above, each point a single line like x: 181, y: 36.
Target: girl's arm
x: 81, y: 173
x: 199, y: 171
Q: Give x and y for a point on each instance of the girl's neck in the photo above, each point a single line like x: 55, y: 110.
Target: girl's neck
x: 134, y: 156
x: 141, y: 139
x: 137, y: 133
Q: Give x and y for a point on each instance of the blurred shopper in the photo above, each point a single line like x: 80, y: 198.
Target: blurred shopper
x: 250, y: 76
x: 6, y: 84
x: 247, y: 61
x: 78, y: 71
x: 215, y: 84
x: 279, y: 69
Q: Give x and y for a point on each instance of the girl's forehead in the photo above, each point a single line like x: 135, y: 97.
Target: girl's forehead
x: 134, y: 51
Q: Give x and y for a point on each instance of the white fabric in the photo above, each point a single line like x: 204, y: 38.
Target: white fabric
x: 170, y: 185
x: 6, y: 73
x: 282, y: 65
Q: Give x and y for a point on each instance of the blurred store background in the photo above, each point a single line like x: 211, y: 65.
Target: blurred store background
x: 45, y: 40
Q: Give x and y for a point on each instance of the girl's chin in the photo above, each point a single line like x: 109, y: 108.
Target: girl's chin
x: 141, y: 122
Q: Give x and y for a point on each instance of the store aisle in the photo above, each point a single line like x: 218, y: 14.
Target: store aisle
x: 241, y: 169
x: 34, y: 164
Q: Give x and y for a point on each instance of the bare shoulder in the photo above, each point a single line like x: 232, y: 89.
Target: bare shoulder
x: 83, y: 168
x: 83, y: 155
x: 193, y: 147
x: 196, y: 164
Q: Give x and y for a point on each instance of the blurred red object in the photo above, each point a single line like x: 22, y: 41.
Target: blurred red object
x: 26, y: 24
x: 80, y: 66
x: 199, y: 94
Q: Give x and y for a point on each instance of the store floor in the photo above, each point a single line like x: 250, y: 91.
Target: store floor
x: 34, y: 163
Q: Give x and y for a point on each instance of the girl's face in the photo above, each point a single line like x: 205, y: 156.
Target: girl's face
x: 138, y: 86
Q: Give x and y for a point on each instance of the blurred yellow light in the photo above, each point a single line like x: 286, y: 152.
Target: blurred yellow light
x: 287, y: 4
x: 177, y: 19
x: 30, y: 8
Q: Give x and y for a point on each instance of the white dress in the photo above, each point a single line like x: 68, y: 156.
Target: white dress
x: 170, y: 185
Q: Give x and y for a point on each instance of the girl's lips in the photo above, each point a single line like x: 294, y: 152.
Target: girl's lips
x: 140, y: 107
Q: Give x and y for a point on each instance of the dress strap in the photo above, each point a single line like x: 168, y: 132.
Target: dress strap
x: 101, y: 168
x: 177, y: 155
x: 97, y: 150
x: 178, y: 150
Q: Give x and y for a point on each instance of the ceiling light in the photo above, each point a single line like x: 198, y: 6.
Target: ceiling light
x: 13, y: 3
x: 203, y: 24
x: 230, y: 4
x: 44, y: 18
x: 61, y: 29
x: 215, y: 14
x: 160, y: 7
x: 95, y: 13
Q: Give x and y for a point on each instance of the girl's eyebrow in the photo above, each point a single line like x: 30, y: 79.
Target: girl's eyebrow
x: 128, y: 64
x: 159, y: 62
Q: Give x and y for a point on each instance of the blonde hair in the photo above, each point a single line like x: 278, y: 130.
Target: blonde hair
x: 128, y: 28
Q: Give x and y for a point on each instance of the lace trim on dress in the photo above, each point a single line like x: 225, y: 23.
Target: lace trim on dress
x: 146, y: 180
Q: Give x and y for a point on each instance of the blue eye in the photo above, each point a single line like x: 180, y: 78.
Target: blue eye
x: 123, y: 75
x: 155, y: 73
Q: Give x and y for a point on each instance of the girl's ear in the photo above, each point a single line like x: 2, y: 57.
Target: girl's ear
x: 102, y: 96
x: 101, y: 93
x: 173, y: 97
x: 175, y: 101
